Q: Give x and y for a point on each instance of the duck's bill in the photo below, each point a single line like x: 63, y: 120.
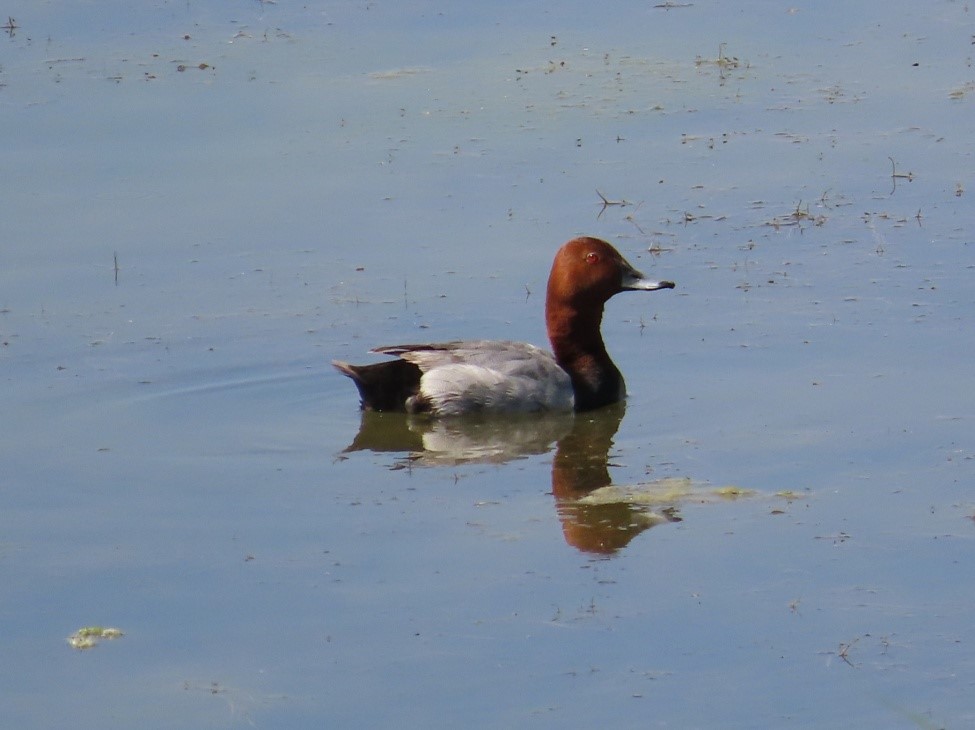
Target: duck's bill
x: 635, y: 281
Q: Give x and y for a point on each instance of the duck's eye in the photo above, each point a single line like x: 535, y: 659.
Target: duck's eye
x: 592, y: 258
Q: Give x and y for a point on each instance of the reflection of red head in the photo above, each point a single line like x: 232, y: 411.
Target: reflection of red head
x: 579, y: 468
x: 601, y: 529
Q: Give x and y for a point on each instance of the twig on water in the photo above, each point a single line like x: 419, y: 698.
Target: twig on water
x: 909, y: 176
x: 844, y: 652
x: 797, y: 218
x: 607, y: 203
x: 637, y: 225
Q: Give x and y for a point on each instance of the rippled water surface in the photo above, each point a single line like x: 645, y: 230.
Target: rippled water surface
x: 205, y: 202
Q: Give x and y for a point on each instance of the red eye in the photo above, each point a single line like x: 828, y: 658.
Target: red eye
x: 592, y: 258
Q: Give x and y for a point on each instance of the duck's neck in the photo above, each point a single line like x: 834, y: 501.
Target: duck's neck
x: 578, y: 347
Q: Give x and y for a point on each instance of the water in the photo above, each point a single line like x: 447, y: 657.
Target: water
x: 203, y: 205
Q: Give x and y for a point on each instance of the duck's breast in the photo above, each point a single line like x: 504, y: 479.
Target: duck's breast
x: 491, y: 376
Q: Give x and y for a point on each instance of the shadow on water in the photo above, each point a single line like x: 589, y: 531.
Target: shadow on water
x: 595, y: 516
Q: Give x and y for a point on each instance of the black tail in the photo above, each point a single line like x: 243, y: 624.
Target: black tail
x: 384, y: 386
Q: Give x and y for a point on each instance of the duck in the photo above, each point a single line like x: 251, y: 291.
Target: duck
x: 501, y: 376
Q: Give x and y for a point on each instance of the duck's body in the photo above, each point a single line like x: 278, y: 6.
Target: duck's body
x: 469, y: 376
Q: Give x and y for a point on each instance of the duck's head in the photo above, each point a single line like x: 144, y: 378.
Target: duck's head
x: 590, y: 271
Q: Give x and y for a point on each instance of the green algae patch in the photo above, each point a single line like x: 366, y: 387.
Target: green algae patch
x: 666, y: 491
x: 89, y: 636
x: 734, y: 492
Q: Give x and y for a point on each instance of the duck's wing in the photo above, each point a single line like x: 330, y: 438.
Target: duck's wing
x: 485, y: 376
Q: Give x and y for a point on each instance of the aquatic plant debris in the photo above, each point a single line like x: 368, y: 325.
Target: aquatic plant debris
x: 665, y: 491
x: 89, y: 636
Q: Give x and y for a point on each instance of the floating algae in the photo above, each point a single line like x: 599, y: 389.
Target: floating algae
x: 665, y: 491
x: 89, y: 636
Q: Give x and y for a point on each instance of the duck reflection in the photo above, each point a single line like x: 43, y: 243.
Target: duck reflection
x: 596, y: 517
x: 471, y: 439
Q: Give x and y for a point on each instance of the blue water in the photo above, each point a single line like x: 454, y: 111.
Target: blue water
x: 204, y: 204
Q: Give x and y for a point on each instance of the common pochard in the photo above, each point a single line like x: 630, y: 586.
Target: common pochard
x: 477, y: 376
